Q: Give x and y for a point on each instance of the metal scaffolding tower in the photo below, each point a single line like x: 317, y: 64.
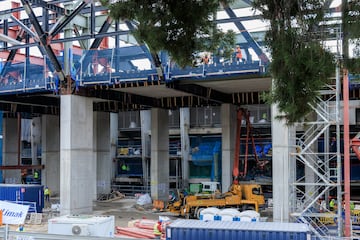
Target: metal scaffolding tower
x: 317, y: 172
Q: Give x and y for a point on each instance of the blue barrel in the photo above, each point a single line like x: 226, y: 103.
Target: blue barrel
x: 27, y: 194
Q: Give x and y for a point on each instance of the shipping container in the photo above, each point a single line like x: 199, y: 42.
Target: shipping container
x: 28, y: 194
x: 216, y: 230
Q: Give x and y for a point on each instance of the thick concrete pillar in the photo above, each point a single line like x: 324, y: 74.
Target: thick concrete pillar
x: 77, y: 164
x: 10, y: 152
x: 185, y: 144
x: 228, y: 125
x: 104, y: 161
x: 159, y: 169
x: 283, y: 175
x: 50, y: 157
x: 145, y: 121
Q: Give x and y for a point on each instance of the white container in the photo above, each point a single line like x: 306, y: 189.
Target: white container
x: 82, y: 225
x: 209, y: 214
x: 230, y: 214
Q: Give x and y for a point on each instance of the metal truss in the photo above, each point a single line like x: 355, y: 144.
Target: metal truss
x: 317, y: 171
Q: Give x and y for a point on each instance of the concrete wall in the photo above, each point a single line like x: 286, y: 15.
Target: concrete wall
x: 10, y: 152
x: 50, y: 156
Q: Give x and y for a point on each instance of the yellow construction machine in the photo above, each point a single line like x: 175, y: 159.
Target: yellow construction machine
x: 240, y: 196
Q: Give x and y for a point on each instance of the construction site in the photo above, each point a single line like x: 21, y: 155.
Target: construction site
x: 102, y: 137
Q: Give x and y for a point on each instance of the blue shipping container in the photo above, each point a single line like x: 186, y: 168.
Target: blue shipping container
x: 216, y: 230
x: 28, y: 194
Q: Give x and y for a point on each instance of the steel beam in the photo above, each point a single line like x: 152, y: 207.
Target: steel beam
x: 14, y: 107
x: 43, y: 37
x: 86, y: 59
x: 203, y: 92
x: 77, y: 33
x: 154, y: 56
x: 31, y: 99
x: 126, y: 97
x: 12, y: 53
x: 247, y: 36
x: 165, y: 103
x: 48, y: 6
x: 17, y: 167
x: 23, y: 26
x: 65, y: 20
x: 104, y: 28
x: 8, y: 39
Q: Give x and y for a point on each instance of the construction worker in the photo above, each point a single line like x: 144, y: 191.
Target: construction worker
x: 238, y: 54
x: 158, y: 229
x: 125, y: 167
x: 23, y: 176
x: 47, y: 194
x: 352, y: 207
x: 36, y: 175
x: 205, y: 59
x: 332, y: 204
x: 20, y: 228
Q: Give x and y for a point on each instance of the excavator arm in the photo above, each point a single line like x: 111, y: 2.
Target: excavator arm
x: 237, y: 172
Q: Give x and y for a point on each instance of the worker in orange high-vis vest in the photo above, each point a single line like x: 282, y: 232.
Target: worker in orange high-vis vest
x: 238, y: 54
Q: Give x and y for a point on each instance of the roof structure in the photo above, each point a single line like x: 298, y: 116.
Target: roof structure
x: 48, y: 48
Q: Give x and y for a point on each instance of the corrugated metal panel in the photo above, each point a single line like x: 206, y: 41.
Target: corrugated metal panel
x: 32, y: 195
x: 213, y: 230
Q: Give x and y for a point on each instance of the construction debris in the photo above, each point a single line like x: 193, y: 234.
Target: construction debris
x: 139, y: 228
x: 114, y: 195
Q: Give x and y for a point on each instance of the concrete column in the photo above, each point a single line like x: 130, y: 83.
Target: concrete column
x: 283, y: 175
x: 10, y: 152
x: 35, y: 139
x: 159, y: 154
x: 114, y: 135
x: 185, y: 144
x: 50, y: 157
x: 104, y: 161
x: 228, y: 125
x: 77, y: 163
x: 145, y: 121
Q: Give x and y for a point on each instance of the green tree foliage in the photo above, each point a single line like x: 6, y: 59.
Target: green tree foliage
x: 300, y: 65
x: 182, y: 28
